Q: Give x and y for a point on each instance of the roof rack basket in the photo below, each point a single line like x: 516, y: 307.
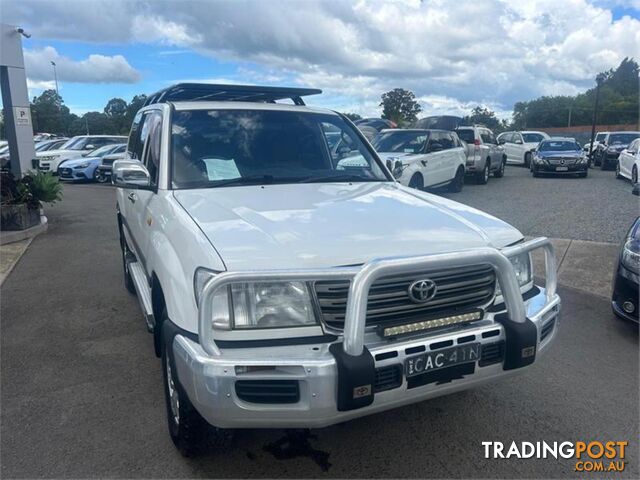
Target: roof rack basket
x: 194, y: 92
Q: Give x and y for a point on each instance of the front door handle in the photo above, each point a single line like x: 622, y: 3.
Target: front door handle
x: 424, y: 163
x: 132, y: 197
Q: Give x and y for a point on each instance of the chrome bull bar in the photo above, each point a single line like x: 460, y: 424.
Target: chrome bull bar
x: 364, y: 276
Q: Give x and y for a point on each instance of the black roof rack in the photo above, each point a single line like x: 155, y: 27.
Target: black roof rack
x: 183, y: 92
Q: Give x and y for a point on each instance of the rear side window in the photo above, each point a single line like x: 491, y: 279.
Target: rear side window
x: 447, y: 141
x: 466, y: 134
x: 486, y: 136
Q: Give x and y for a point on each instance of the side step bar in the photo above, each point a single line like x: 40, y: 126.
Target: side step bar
x: 144, y: 292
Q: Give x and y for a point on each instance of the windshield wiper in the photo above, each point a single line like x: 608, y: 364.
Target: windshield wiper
x: 248, y: 180
x: 340, y: 178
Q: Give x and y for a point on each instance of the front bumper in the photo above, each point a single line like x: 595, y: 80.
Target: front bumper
x: 209, y: 376
x: 545, y: 167
x: 625, y: 289
x: 69, y: 173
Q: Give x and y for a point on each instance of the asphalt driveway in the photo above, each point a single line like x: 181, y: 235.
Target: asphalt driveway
x: 81, y: 390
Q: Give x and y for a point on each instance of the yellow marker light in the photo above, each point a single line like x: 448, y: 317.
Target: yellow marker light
x: 434, y: 323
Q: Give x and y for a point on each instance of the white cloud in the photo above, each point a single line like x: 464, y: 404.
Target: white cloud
x: 93, y: 69
x: 492, y: 52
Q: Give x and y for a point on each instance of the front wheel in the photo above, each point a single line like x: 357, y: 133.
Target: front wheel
x: 634, y: 175
x: 527, y: 159
x: 618, y: 170
x: 189, y: 432
x: 500, y: 172
x: 458, y: 181
x: 99, y: 176
x: 534, y: 171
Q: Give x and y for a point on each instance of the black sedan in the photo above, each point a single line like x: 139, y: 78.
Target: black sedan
x: 624, y: 300
x: 562, y: 156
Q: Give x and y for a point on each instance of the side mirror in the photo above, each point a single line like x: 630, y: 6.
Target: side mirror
x: 130, y: 174
x: 434, y: 147
x: 518, y: 141
x: 343, y: 151
x: 89, y: 147
x: 501, y: 141
x: 395, y: 168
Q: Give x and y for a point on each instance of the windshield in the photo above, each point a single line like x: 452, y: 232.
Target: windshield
x: 101, y: 151
x: 532, y: 137
x: 76, y: 143
x: 466, y: 134
x: 214, y: 148
x: 400, y: 142
x: 558, y: 146
x: 622, y: 138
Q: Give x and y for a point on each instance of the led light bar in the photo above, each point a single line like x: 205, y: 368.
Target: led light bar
x: 429, y: 324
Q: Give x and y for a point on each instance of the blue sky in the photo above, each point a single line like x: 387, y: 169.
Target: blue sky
x: 452, y: 55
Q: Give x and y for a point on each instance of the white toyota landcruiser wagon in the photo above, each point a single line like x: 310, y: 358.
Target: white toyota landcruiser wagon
x: 291, y: 285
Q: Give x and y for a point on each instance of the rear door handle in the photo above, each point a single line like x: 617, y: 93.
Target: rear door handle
x: 132, y: 197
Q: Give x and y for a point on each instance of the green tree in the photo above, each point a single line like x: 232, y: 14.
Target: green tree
x: 48, y: 113
x: 484, y: 116
x: 400, y: 106
x: 134, y: 105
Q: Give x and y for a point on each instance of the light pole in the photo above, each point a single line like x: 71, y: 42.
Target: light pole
x: 599, y: 80
x: 55, y: 76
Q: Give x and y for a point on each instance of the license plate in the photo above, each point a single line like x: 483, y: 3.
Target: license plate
x: 562, y: 169
x: 427, y: 362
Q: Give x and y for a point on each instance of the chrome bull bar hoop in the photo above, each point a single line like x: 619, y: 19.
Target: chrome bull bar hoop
x: 363, y: 277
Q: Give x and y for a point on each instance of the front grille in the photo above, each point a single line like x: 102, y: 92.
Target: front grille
x: 547, y: 328
x: 65, y: 172
x: 388, y: 378
x: 268, y: 391
x: 44, y: 168
x: 563, y: 161
x: 459, y: 289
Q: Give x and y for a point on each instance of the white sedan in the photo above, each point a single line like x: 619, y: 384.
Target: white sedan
x: 423, y: 158
x: 518, y: 146
x: 629, y: 162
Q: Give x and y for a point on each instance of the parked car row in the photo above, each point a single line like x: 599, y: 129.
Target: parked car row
x: 50, y: 160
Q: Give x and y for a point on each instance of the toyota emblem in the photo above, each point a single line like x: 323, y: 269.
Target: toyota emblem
x: 421, y: 291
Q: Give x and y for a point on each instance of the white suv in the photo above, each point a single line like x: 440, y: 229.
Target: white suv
x: 423, y: 158
x: 519, y: 146
x: 288, y: 285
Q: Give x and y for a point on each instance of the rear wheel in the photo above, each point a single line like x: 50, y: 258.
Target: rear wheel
x: 527, y: 159
x: 458, y: 181
x: 499, y: 173
x: 483, y: 177
x: 416, y: 182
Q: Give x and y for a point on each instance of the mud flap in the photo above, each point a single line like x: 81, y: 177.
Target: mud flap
x: 356, y: 378
x: 522, y: 339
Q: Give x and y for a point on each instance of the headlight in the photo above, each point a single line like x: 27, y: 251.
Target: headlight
x: 631, y: 255
x: 522, y: 266
x: 82, y: 165
x: 259, y: 304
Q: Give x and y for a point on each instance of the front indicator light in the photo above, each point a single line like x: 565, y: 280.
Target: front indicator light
x: 429, y: 324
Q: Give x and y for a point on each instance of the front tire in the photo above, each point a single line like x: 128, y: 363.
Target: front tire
x: 618, y: 176
x: 634, y: 175
x: 99, y: 177
x: 527, y: 159
x: 500, y: 172
x: 483, y: 177
x: 458, y: 181
x: 534, y: 171
x: 189, y: 432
